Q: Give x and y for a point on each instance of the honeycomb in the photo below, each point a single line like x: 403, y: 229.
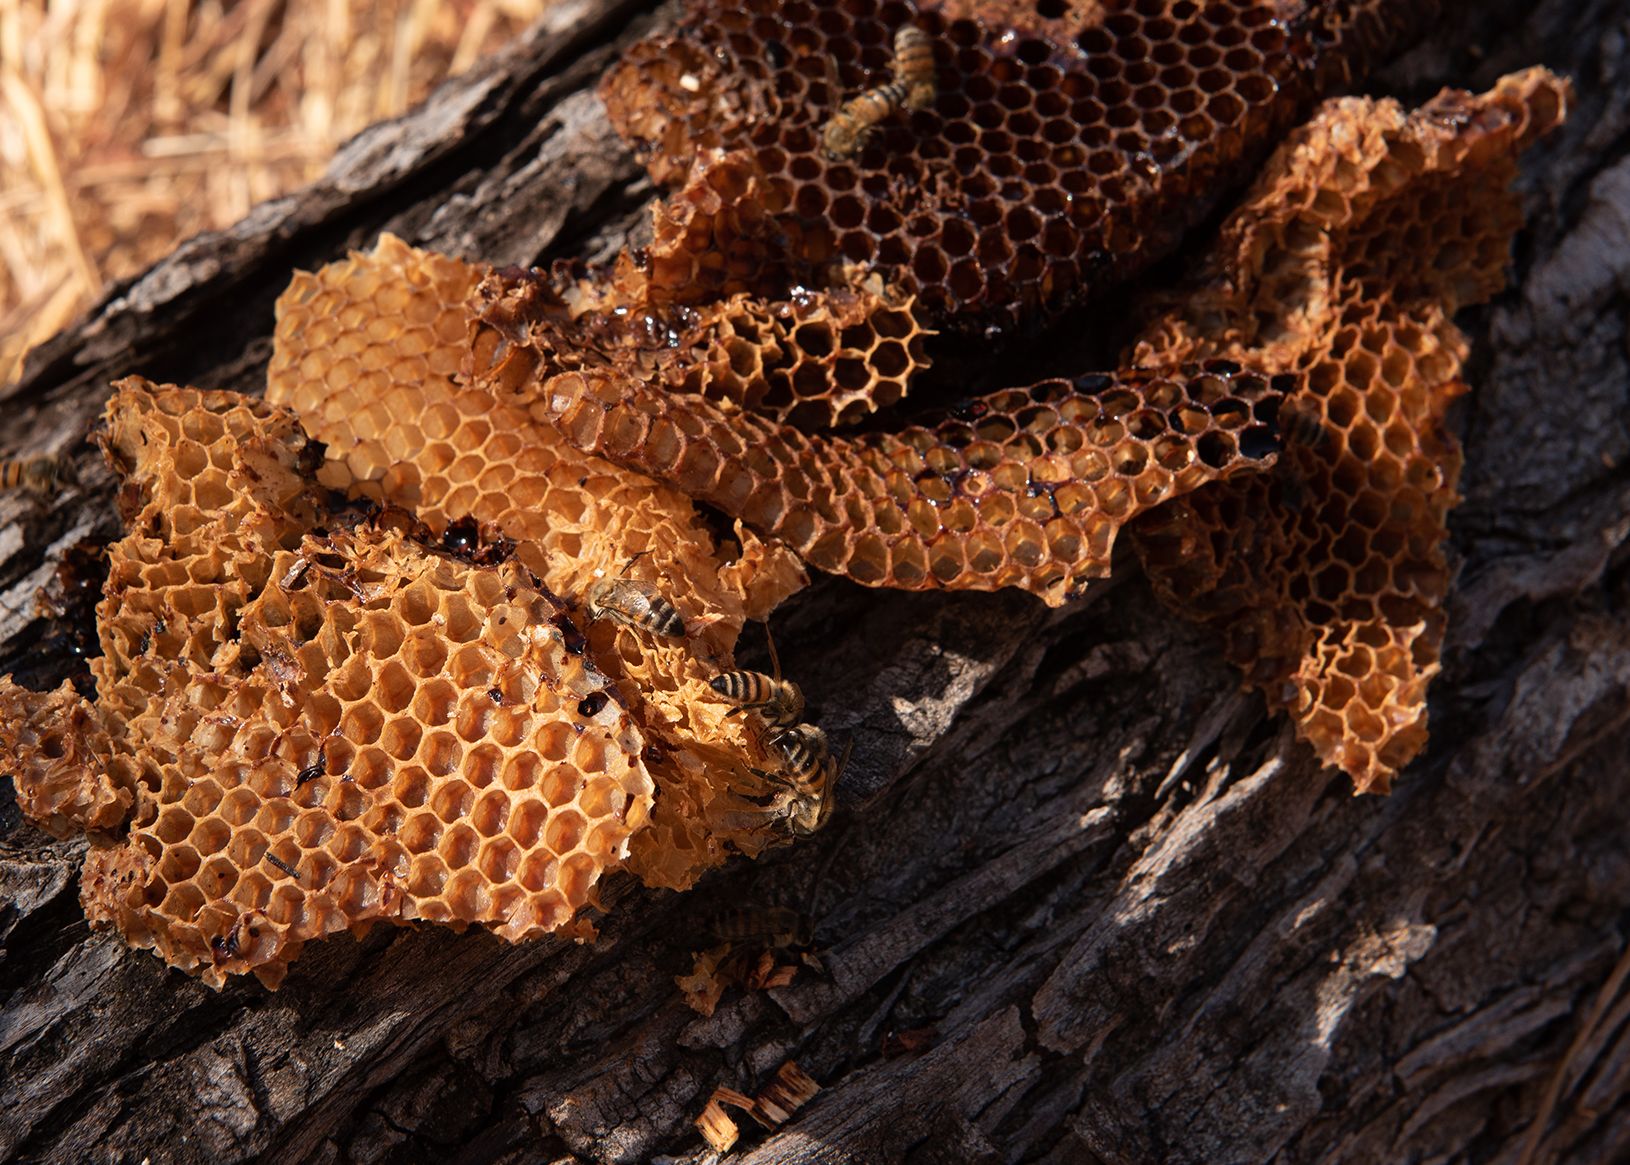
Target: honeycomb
x: 713, y: 238
x: 1023, y: 487
x: 198, y: 548
x: 717, y: 969
x: 1345, y: 264
x: 206, y: 506
x: 1067, y: 145
x: 1328, y: 575
x: 62, y: 761
x: 368, y: 350
x: 383, y: 731
x: 358, y: 680
x: 709, y: 308
x: 817, y: 361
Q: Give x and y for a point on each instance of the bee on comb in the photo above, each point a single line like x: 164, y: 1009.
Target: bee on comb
x: 913, y: 87
x: 634, y: 603
x: 779, y: 701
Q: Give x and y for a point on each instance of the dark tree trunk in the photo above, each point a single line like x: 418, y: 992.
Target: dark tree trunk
x: 1142, y: 925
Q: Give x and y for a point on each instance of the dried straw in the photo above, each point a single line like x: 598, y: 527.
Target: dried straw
x: 127, y: 125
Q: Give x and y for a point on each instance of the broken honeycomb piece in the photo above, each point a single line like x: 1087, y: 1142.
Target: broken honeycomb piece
x: 210, y: 489
x: 382, y: 391
x: 710, y: 308
x: 716, y: 236
x: 1065, y: 149
x: 653, y: 97
x: 367, y: 351
x: 61, y: 759
x: 212, y: 485
x: 816, y: 361
x: 712, y: 971
x: 754, y: 335
x: 346, y: 380
x: 1024, y: 487
x: 1366, y: 232
x: 749, y: 962
x: 384, y: 731
x: 429, y: 749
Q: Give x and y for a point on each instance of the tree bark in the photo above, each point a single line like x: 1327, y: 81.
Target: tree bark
x: 1141, y: 923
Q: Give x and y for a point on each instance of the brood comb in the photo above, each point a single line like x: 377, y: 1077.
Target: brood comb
x: 1057, y: 154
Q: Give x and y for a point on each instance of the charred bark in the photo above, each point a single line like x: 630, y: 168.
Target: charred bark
x: 1136, y: 920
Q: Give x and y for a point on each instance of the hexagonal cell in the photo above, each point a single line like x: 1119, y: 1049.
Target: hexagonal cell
x: 563, y: 831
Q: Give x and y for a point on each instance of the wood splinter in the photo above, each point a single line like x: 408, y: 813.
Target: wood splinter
x: 774, y: 1106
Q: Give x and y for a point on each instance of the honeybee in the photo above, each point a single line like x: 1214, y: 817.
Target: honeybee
x: 809, y: 770
x: 801, y: 750
x: 778, y: 926
x: 779, y: 701
x: 35, y: 474
x: 636, y: 604
x: 912, y: 88
x: 1301, y: 423
x: 914, y: 66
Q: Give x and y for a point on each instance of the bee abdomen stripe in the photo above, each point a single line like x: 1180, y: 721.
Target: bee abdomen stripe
x: 665, y: 619
x: 739, y: 686
x: 887, y: 97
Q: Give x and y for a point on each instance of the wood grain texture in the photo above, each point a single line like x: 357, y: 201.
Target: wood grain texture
x: 1141, y: 924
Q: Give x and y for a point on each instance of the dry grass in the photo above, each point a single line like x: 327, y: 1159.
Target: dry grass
x: 127, y: 125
